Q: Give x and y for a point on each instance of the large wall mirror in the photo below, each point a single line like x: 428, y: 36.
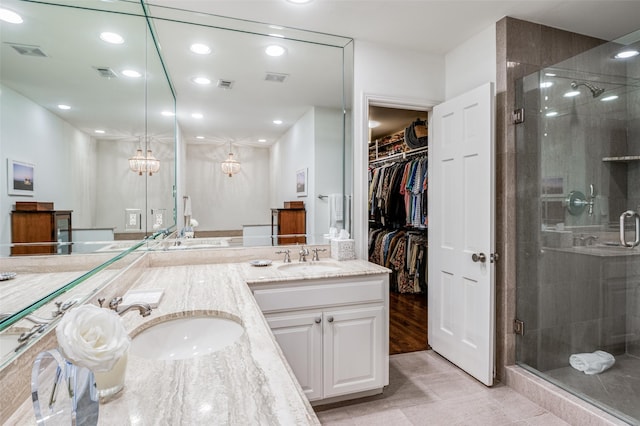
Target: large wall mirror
x: 284, y: 118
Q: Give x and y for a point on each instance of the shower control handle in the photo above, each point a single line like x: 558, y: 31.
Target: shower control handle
x: 479, y: 257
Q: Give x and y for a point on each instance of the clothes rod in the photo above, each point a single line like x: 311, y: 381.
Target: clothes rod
x: 402, y: 155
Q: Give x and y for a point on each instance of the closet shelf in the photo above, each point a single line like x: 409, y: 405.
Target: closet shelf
x: 622, y: 159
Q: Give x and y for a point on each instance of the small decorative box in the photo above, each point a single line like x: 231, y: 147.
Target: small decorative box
x: 343, y: 249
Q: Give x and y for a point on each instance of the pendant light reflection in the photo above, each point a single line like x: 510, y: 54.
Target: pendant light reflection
x: 230, y: 166
x: 142, y: 164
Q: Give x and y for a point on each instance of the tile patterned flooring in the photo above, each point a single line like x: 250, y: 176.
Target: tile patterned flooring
x: 426, y: 389
x: 618, y: 387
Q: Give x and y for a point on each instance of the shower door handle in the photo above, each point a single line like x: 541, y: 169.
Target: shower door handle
x: 479, y: 257
x: 623, y: 240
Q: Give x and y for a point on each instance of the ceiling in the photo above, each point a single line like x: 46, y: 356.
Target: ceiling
x: 433, y: 27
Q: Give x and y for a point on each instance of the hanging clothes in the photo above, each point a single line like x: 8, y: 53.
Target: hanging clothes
x: 398, y: 193
x: 405, y: 253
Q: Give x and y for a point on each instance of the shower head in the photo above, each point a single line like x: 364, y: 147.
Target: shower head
x: 595, y: 90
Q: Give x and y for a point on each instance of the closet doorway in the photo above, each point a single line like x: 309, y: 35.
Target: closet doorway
x: 397, y: 206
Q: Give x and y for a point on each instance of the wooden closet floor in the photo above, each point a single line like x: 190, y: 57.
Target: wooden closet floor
x: 407, y: 323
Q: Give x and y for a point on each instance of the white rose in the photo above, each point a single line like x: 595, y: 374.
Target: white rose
x: 193, y: 223
x: 92, y: 337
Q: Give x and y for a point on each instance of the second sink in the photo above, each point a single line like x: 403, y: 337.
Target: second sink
x: 309, y: 267
x: 186, y: 337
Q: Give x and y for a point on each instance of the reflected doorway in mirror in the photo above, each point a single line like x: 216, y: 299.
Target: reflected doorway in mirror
x: 301, y: 182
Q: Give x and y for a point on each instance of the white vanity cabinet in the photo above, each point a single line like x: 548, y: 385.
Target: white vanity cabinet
x: 333, y: 332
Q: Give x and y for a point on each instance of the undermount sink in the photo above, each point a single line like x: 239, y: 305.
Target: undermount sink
x: 309, y: 267
x: 186, y: 337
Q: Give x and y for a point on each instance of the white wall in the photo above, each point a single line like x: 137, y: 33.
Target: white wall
x: 220, y: 202
x: 471, y: 64
x: 396, y: 75
x: 328, y: 167
x: 65, y: 160
x: 294, y: 151
x: 314, y: 141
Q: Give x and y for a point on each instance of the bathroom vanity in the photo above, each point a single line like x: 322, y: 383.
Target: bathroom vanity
x: 253, y: 379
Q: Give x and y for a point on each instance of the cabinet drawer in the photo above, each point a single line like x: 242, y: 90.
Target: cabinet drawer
x: 326, y: 293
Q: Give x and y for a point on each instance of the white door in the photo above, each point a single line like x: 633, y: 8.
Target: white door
x: 300, y: 339
x: 353, y: 348
x: 461, y: 286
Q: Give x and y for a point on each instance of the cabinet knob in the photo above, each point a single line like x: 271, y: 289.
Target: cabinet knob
x: 330, y: 319
x: 318, y: 320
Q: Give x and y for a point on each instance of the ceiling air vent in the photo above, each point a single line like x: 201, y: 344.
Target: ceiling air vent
x: 276, y: 77
x: 28, y: 50
x: 106, y: 72
x: 225, y: 84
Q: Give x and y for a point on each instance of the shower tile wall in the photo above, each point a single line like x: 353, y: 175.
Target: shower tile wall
x: 522, y: 48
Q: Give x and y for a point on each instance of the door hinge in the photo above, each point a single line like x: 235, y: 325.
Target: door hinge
x: 494, y: 257
x: 518, y: 327
x: 517, y: 116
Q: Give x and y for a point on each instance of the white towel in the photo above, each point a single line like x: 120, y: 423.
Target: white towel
x: 592, y: 363
x: 187, y: 206
x: 335, y: 208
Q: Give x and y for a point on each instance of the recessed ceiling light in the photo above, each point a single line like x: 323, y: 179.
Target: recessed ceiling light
x: 99, y: 131
x: 167, y: 113
x: 63, y: 106
x: 10, y: 16
x: 373, y: 124
x: 200, y: 49
x: 275, y: 50
x: 277, y: 121
x: 546, y: 84
x: 262, y: 140
x: 551, y: 114
x: 201, y: 80
x: 197, y: 115
x: 299, y: 1
x: 131, y: 73
x: 627, y: 54
x: 609, y: 98
x: 549, y: 74
x: 276, y: 27
x: 199, y: 137
x: 112, y: 38
x: 571, y: 94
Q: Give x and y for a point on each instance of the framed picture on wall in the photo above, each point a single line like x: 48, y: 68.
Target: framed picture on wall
x: 301, y: 183
x: 20, y: 178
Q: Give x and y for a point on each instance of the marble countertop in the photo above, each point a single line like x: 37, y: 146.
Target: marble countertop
x: 248, y: 382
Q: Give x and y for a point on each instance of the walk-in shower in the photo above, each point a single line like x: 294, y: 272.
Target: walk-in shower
x: 578, y: 195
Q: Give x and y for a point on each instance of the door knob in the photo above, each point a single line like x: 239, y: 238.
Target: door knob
x: 479, y: 257
x: 330, y: 319
x: 318, y: 320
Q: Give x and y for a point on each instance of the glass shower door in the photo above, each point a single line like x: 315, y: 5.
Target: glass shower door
x: 578, y: 268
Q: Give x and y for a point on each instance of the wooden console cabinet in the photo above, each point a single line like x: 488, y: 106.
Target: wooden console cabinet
x: 291, y: 224
x: 38, y: 226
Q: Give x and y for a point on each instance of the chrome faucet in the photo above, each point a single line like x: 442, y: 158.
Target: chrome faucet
x: 287, y: 257
x: 303, y: 253
x: 315, y: 253
x: 584, y: 240
x: 143, y: 308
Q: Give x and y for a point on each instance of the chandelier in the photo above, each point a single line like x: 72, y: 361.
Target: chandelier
x: 230, y: 166
x: 142, y: 164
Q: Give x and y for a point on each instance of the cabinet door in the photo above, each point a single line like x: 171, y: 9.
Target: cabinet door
x: 353, y: 350
x: 300, y: 339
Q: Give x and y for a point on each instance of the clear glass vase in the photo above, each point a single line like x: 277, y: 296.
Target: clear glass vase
x: 63, y: 393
